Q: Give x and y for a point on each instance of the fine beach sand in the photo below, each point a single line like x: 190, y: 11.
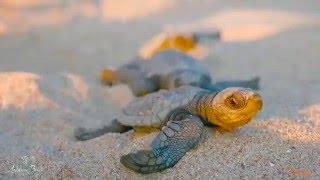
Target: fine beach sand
x: 51, y: 53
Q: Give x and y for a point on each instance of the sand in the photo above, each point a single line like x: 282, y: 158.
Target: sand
x: 51, y: 53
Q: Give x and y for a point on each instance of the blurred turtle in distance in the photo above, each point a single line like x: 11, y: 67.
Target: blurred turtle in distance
x: 168, y: 69
x: 186, y: 42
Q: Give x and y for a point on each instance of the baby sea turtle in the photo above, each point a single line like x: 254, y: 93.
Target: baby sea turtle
x: 182, y: 114
x: 186, y: 42
x: 168, y: 69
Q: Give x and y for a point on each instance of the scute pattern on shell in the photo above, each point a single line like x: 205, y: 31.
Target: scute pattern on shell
x: 152, y: 109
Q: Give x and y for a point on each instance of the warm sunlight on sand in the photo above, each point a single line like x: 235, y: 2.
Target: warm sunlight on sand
x: 313, y: 113
x: 251, y: 24
x: 3, y: 28
x: 79, y: 89
x: 27, y: 3
x: 21, y: 90
x: 302, y: 131
x: 18, y: 16
x: 311, y: 110
x: 22, y: 15
x: 125, y: 10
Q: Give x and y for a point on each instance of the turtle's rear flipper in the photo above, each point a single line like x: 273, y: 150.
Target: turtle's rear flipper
x: 83, y: 134
x: 253, y: 83
x: 168, y: 147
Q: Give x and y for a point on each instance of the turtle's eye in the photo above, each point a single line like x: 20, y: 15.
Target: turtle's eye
x: 235, y: 101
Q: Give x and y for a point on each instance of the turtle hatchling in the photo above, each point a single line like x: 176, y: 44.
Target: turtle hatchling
x: 181, y: 115
x: 168, y: 69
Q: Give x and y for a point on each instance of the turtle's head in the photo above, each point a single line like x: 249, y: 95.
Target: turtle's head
x: 235, y: 106
x: 109, y: 77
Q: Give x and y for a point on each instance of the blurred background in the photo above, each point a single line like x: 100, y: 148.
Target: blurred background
x: 278, y: 41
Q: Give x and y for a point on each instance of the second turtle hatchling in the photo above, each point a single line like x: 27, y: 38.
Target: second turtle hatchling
x: 168, y: 69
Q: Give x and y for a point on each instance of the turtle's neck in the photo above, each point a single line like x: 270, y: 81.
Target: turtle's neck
x: 201, y: 105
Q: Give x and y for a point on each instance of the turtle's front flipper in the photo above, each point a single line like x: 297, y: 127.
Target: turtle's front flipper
x: 252, y: 83
x: 83, y: 134
x: 168, y: 147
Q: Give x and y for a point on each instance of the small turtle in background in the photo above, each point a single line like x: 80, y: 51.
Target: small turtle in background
x: 182, y: 114
x: 168, y: 69
x: 187, y: 42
